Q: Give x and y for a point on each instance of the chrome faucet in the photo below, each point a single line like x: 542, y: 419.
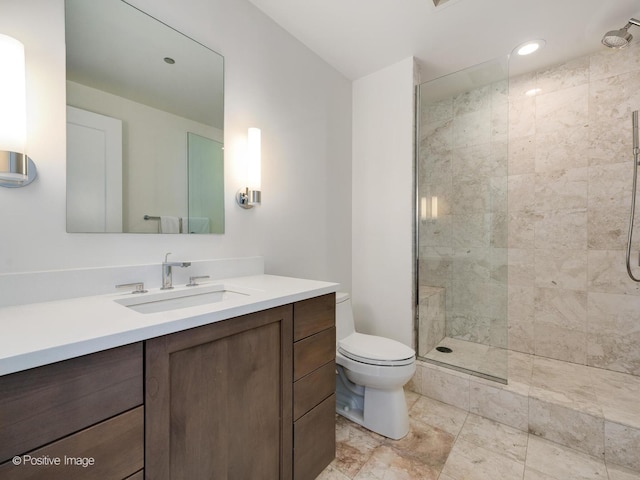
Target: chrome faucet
x: 167, y: 282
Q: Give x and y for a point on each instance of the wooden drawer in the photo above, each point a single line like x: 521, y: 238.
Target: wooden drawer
x: 314, y: 440
x: 46, y: 403
x: 313, y: 315
x: 313, y: 352
x: 115, y: 445
x: 312, y: 389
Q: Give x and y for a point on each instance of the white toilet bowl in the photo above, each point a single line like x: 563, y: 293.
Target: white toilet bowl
x: 372, y: 371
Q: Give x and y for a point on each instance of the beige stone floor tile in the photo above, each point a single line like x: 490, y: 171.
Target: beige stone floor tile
x: 387, y: 463
x: 411, y: 398
x: 469, y: 461
x: 618, y: 393
x: 445, y: 477
x: 621, y: 473
x: 548, y: 460
x: 430, y: 445
x: 354, y: 446
x: 332, y: 473
x: 438, y: 414
x: 495, y: 437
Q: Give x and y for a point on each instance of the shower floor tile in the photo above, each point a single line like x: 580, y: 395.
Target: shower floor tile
x: 471, y: 357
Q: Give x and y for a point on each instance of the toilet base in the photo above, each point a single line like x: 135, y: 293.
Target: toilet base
x: 381, y: 411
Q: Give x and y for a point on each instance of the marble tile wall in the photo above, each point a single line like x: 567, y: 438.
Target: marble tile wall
x: 569, y: 187
x: 567, y: 171
x: 462, y: 161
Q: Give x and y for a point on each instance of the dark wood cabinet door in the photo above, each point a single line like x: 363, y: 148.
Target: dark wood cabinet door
x: 219, y: 400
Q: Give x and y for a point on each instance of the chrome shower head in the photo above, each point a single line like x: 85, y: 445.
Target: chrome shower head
x: 619, y: 38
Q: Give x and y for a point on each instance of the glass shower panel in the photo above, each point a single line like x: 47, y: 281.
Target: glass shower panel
x: 461, y: 181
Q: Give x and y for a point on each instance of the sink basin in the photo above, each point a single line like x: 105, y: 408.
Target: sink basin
x: 176, y: 299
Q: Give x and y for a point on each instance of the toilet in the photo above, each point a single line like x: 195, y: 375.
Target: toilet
x: 371, y: 374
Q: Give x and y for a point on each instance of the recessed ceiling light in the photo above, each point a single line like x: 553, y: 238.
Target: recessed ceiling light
x: 169, y: 60
x: 528, y: 48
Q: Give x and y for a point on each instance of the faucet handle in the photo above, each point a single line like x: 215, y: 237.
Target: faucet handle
x: 139, y: 287
x: 192, y: 280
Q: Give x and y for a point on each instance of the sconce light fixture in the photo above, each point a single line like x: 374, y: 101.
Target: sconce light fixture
x: 428, y: 209
x: 16, y: 168
x: 251, y: 195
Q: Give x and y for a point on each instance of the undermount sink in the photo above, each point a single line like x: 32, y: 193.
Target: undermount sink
x: 176, y: 299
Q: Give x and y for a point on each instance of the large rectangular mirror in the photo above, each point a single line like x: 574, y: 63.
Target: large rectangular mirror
x: 144, y: 124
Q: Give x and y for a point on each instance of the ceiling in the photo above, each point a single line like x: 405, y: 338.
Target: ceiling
x: 359, y: 37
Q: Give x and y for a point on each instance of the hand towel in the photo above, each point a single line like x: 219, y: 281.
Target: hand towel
x: 169, y: 224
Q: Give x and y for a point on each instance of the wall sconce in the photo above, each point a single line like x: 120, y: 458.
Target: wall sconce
x: 251, y: 195
x: 428, y: 208
x: 16, y: 168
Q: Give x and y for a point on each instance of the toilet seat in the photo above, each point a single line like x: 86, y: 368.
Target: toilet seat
x: 374, y: 350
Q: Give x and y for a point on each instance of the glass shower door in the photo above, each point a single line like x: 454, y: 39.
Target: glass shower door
x: 461, y: 182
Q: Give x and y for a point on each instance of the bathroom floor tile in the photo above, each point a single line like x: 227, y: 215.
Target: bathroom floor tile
x: 621, y: 473
x: 354, y: 446
x: 469, y: 461
x: 438, y: 414
x: 387, y: 463
x: 430, y: 445
x: 561, y: 463
x: 495, y: 437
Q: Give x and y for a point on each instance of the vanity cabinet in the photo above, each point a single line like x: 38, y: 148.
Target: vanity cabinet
x: 87, y: 409
x: 251, y: 397
x: 218, y: 400
x: 314, y: 375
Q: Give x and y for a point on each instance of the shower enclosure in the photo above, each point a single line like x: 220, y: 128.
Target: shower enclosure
x: 461, y: 220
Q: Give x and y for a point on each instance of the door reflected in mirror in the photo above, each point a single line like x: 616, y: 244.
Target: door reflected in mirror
x: 145, y: 125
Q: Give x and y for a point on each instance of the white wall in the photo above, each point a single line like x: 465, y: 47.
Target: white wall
x: 272, y: 81
x: 383, y: 199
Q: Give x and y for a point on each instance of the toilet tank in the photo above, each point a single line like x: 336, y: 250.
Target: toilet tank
x: 344, y: 316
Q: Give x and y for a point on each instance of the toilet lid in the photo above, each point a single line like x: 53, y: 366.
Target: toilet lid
x: 371, y: 348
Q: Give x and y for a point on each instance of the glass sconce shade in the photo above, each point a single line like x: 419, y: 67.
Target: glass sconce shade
x: 16, y: 169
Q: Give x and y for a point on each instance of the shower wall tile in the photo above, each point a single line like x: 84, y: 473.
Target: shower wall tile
x: 607, y: 228
x: 562, y: 109
x: 520, y: 85
x: 608, y: 63
x: 561, y: 229
x: 522, y: 192
x: 521, y: 314
x: 475, y: 100
x: 570, y: 74
x: 555, y: 341
x: 521, y: 268
x: 522, y: 155
x: 561, y: 189
x: 436, y: 137
x: 561, y: 269
x: 522, y: 117
x: 472, y: 129
x: 521, y: 230
x: 435, y: 112
x: 561, y: 308
x: 560, y: 149
x: 614, y: 332
x: 607, y: 272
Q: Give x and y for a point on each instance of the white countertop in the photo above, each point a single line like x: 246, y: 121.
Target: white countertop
x: 40, y: 333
